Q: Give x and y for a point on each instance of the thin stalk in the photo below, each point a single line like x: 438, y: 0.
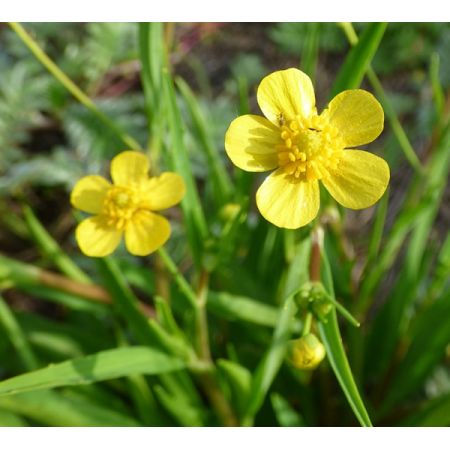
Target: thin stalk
x: 315, y: 258
x: 307, y: 324
x: 198, y: 302
x: 184, y: 286
x: 84, y: 99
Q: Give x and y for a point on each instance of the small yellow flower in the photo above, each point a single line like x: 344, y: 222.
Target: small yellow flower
x: 305, y: 147
x: 125, y: 207
x: 307, y: 352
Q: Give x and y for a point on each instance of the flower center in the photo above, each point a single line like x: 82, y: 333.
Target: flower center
x: 119, y: 206
x: 310, y: 149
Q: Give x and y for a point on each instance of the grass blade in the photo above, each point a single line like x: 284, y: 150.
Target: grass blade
x: 101, y: 366
x: 220, y: 180
x: 358, y: 59
x: 195, y: 222
x: 271, y: 362
x: 332, y: 340
x: 15, y: 334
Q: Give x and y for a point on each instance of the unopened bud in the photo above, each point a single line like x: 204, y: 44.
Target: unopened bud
x: 307, y: 352
x: 321, y: 308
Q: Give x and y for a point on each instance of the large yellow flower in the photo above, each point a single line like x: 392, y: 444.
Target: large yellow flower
x: 125, y: 207
x: 305, y: 147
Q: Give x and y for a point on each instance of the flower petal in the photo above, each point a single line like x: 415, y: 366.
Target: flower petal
x: 287, y: 203
x: 250, y: 143
x: 164, y: 191
x: 359, y: 180
x: 357, y: 115
x: 89, y: 194
x: 288, y: 93
x: 146, y: 232
x: 129, y: 168
x: 96, y: 238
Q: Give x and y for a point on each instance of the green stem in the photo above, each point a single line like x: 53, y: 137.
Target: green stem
x: 184, y: 286
x: 307, y: 324
x: 345, y: 313
x: 45, y: 60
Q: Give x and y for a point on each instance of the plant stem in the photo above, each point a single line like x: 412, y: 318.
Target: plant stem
x: 184, y: 286
x: 307, y: 324
x: 317, y: 243
x: 85, y: 100
x: 198, y: 302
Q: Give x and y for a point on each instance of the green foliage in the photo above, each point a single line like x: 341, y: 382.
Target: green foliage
x: 196, y: 334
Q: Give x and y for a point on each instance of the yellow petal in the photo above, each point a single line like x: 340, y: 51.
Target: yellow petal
x: 129, y: 168
x: 250, y: 143
x: 357, y: 116
x: 287, y: 203
x: 96, y: 238
x: 146, y: 232
x: 164, y: 191
x: 288, y: 93
x: 89, y: 194
x: 359, y: 180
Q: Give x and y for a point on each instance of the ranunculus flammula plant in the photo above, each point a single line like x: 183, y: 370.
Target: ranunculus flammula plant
x: 306, y: 148
x: 125, y: 207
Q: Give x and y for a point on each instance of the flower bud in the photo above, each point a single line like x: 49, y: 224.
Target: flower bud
x: 321, y: 308
x: 307, y: 352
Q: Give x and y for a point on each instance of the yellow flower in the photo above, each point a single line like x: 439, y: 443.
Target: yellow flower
x: 125, y: 207
x: 307, y: 352
x: 305, y: 147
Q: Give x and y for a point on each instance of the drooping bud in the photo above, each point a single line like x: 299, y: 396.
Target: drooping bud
x: 307, y: 352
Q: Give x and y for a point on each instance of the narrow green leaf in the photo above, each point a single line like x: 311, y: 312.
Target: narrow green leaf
x: 285, y: 413
x: 218, y: 175
x: 428, y: 345
x: 8, y: 419
x: 358, y: 59
x: 51, y: 249
x: 126, y: 302
x: 397, y: 129
x: 56, y: 409
x: 17, y: 337
x: 245, y: 309
x: 239, y: 379
x: 435, y: 413
x: 101, y: 366
x: 271, y: 362
x: 195, y: 222
x: 332, y: 340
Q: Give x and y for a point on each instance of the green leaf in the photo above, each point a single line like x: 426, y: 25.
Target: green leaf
x: 271, y: 362
x: 18, y: 339
x: 101, y: 366
x: 51, y: 249
x: 125, y: 301
x: 428, y: 345
x: 435, y: 413
x: 194, y: 218
x: 218, y: 175
x: 233, y: 307
x: 332, y: 340
x: 239, y: 379
x: 8, y: 419
x: 358, y: 59
x: 285, y: 413
x: 59, y: 409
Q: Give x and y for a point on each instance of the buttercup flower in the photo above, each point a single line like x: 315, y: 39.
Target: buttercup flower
x: 305, y: 147
x: 125, y: 207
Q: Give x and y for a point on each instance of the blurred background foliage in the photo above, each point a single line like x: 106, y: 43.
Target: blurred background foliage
x: 390, y: 264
